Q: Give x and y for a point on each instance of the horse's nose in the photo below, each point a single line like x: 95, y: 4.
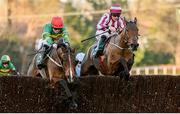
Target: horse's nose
x: 137, y: 45
x: 134, y: 46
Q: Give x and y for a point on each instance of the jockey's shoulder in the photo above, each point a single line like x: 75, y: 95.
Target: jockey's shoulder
x: 1, y: 64
x: 121, y: 17
x: 48, y: 25
x: 106, y: 15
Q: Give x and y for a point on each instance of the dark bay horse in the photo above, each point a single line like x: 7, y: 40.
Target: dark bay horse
x: 118, y: 56
x: 59, y: 70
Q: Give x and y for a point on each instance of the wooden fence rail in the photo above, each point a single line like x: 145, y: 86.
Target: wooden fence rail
x: 156, y: 70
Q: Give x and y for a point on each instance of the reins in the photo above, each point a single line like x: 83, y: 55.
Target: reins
x: 58, y: 64
x: 114, y: 44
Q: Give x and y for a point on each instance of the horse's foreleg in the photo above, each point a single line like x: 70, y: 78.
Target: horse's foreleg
x: 73, y: 104
x: 43, y: 73
x: 125, y: 68
x: 64, y: 85
x: 130, y: 62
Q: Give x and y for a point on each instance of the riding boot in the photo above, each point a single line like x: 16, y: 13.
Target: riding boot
x: 100, y: 46
x: 40, y: 60
x: 41, y: 56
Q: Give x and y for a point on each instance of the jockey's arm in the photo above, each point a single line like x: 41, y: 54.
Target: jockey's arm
x: 122, y: 23
x: 65, y: 35
x: 47, y: 38
x: 102, y: 22
x: 13, y: 69
x: 46, y: 34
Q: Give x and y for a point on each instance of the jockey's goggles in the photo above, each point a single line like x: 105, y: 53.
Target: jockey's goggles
x: 7, y: 62
x: 115, y: 14
x: 57, y: 28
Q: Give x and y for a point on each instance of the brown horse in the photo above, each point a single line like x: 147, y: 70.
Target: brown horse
x: 118, y: 56
x: 59, y: 69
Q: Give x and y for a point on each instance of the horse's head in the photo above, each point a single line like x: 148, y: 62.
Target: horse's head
x: 131, y: 34
x: 66, y: 55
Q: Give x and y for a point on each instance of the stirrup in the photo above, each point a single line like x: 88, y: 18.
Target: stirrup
x: 39, y: 66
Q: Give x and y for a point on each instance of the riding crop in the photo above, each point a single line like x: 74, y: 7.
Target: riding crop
x: 94, y: 36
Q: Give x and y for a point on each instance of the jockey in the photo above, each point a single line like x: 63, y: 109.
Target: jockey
x: 52, y: 32
x: 6, y: 66
x: 79, y: 58
x: 110, y: 22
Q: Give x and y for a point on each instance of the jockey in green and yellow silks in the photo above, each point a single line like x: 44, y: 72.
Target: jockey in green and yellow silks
x: 6, y: 66
x: 52, y: 32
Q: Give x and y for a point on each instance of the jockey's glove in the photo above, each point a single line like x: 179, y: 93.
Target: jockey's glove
x: 67, y: 44
x: 112, y: 29
x: 18, y: 73
x: 54, y: 46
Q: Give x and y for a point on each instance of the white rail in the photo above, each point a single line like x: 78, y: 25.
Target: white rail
x: 156, y: 70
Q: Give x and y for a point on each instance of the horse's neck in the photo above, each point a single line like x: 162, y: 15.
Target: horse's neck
x: 119, y: 40
x: 122, y: 39
x: 54, y: 54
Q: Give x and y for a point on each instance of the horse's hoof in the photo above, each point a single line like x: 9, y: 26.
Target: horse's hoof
x: 121, y: 75
x: 127, y: 77
x: 73, y: 105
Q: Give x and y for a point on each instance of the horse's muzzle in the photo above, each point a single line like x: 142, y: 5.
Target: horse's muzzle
x: 134, y: 46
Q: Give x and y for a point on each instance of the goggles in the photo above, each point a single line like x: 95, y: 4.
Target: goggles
x: 115, y: 14
x: 57, y: 28
x: 7, y: 62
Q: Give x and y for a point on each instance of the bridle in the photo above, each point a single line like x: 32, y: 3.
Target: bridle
x: 125, y: 39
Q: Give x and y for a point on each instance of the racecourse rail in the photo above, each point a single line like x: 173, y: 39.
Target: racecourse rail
x: 156, y: 70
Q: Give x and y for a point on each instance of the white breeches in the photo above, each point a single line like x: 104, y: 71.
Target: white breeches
x: 40, y: 43
x: 99, y: 32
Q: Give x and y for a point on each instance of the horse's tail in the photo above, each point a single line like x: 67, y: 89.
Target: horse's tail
x: 31, y: 65
x: 89, y: 51
x: 87, y: 61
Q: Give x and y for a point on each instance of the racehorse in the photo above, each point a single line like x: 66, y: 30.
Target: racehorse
x: 59, y: 67
x: 118, y: 56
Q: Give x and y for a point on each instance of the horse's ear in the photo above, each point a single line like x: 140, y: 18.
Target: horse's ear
x: 135, y: 20
x: 125, y: 20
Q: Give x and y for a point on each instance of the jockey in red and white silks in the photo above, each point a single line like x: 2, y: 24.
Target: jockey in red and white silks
x: 109, y: 22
